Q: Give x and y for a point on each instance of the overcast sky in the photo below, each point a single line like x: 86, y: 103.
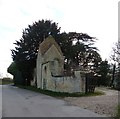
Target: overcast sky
x: 97, y: 18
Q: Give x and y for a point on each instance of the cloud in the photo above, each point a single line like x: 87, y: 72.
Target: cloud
x: 98, y: 18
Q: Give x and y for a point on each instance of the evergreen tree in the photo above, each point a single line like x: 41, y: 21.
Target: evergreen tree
x: 25, y: 52
x: 104, y: 69
x: 77, y: 47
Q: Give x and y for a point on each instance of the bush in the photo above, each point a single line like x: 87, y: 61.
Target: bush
x: 6, y: 80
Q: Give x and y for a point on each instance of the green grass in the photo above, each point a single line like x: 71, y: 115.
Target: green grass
x: 5, y: 81
x: 61, y: 94
x: 118, y: 112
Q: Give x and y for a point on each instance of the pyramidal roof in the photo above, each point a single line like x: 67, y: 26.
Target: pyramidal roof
x: 47, y: 43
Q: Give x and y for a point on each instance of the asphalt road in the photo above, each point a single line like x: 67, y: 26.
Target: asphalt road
x: 18, y: 102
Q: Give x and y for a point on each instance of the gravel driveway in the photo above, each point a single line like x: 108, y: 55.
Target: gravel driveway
x: 104, y: 104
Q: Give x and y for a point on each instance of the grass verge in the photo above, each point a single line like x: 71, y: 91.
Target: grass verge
x: 60, y: 94
x: 118, y: 112
x: 4, y: 82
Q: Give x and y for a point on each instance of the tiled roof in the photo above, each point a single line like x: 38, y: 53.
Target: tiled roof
x: 47, y: 43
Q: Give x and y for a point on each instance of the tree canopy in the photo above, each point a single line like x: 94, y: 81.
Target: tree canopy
x: 104, y: 70
x: 78, y: 48
x: 12, y: 68
x: 115, y: 57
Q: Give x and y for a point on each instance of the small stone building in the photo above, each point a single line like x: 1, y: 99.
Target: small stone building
x: 49, y: 72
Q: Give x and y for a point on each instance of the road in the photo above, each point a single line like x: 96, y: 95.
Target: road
x: 18, y: 102
x: 0, y: 101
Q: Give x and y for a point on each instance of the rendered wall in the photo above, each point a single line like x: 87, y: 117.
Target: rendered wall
x: 67, y: 84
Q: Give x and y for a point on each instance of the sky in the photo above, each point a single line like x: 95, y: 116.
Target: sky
x: 97, y: 18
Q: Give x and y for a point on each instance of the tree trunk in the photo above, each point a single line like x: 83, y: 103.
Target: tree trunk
x: 113, y: 75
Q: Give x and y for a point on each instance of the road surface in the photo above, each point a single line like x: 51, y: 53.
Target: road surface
x: 0, y: 101
x: 18, y: 102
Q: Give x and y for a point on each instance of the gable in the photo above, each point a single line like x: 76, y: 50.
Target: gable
x: 52, y: 53
x: 47, y: 43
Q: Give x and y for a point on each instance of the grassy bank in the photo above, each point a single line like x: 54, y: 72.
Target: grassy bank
x: 118, y: 112
x: 60, y: 94
x: 5, y: 81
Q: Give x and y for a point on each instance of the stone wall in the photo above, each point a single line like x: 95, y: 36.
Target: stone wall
x: 66, y: 84
x: 70, y: 84
x: 50, y: 70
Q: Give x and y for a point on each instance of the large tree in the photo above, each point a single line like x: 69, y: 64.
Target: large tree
x: 13, y: 69
x: 115, y: 56
x: 25, y: 52
x: 79, y: 50
x: 77, y: 47
x: 104, y: 70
